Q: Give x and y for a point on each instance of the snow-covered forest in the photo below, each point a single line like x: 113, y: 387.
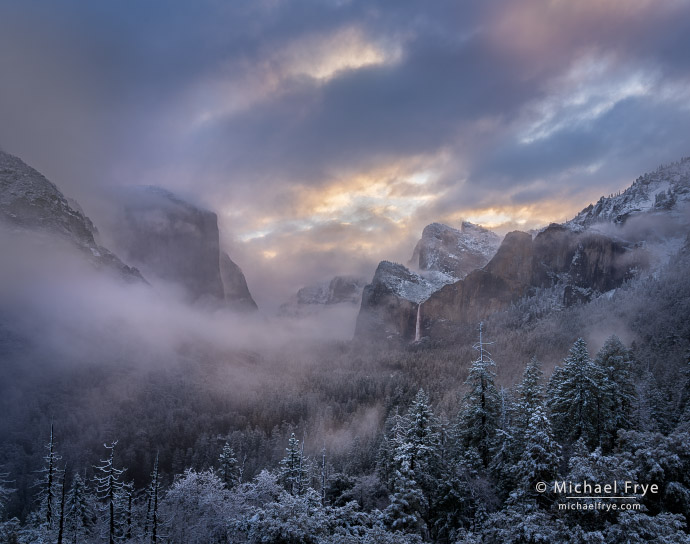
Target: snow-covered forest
x: 455, y: 460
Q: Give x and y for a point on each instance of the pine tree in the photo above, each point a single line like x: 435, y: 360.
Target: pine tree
x: 293, y: 473
x: 575, y: 393
x: 423, y: 434
x: 385, y: 456
x: 152, y: 522
x: 126, y: 499
x: 404, y: 513
x: 48, y: 485
x: 530, y: 397
x: 324, y: 475
x: 530, y: 390
x: 79, y: 516
x: 227, y: 466
x: 481, y: 410
x: 618, y: 395
x: 414, y: 468
x: 109, y: 489
x: 63, y: 495
x: 540, y: 459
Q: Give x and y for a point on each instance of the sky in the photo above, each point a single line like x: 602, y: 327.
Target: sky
x: 327, y: 134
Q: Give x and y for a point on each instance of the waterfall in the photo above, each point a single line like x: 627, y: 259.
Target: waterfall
x: 418, y: 326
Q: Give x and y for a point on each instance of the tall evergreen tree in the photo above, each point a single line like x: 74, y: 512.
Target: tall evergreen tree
x: 575, y: 392
x: 404, y: 513
x: 79, y: 515
x: 109, y: 487
x: 151, y: 524
x: 227, y: 466
x: 49, y: 485
x: 293, y: 469
x: 618, y: 395
x: 63, y: 496
x: 481, y: 410
x: 540, y: 459
x: 415, y: 442
x: 530, y: 397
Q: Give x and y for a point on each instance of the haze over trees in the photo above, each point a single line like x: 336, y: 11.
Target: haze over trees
x: 131, y: 417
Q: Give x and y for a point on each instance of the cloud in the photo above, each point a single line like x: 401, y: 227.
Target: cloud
x: 358, y: 121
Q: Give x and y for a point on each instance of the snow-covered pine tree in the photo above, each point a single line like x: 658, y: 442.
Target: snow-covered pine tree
x: 575, y: 392
x: 324, y: 475
x: 416, y: 465
x: 393, y: 428
x: 227, y: 466
x: 79, y: 514
x: 424, y: 435
x: 404, y: 513
x: 63, y: 496
x: 530, y: 392
x: 109, y: 488
x: 482, y: 406
x: 48, y: 485
x: 126, y: 500
x: 151, y: 522
x: 529, y: 397
x: 618, y: 399
x: 539, y: 461
x: 293, y: 469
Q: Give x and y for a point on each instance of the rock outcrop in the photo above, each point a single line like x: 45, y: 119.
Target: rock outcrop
x: 235, y: 290
x: 581, y: 265
x: 454, y: 252
x: 339, y: 292
x: 400, y: 305
x: 665, y: 190
x: 173, y: 240
x: 390, y: 302
x: 29, y: 202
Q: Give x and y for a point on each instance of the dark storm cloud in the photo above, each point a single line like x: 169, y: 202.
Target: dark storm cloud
x: 127, y: 67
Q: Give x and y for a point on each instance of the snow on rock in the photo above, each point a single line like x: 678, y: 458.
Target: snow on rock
x: 454, y: 252
x: 665, y: 189
x: 312, y: 299
x: 409, y: 285
x: 29, y: 202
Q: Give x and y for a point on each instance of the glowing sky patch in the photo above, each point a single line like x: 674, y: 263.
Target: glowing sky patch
x: 320, y: 57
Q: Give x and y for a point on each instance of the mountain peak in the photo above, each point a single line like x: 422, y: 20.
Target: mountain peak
x: 661, y: 190
x: 454, y: 252
x: 29, y: 201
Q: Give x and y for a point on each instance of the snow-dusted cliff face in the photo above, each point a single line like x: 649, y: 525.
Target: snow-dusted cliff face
x: 174, y: 240
x: 404, y: 283
x: 454, y: 252
x: 390, y: 303
x: 665, y: 190
x: 29, y: 202
x: 340, y: 291
x: 621, y: 236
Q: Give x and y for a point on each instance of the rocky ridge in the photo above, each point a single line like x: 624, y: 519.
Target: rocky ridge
x: 29, y: 202
x: 175, y: 241
x: 339, y: 291
x: 666, y: 189
x: 604, y: 245
x: 454, y: 252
